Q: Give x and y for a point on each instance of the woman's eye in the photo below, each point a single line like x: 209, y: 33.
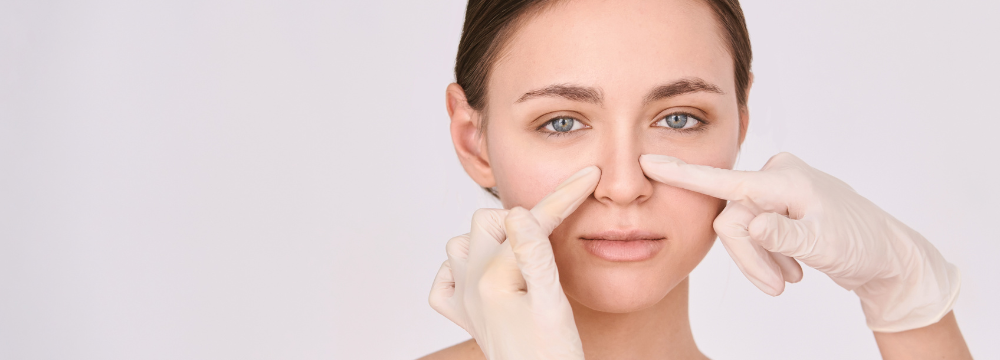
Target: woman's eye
x: 563, y: 124
x: 678, y: 121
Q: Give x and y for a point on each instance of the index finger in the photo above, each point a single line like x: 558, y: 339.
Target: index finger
x: 556, y: 206
x: 714, y: 182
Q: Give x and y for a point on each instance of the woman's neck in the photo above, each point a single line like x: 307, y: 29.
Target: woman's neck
x: 661, y: 331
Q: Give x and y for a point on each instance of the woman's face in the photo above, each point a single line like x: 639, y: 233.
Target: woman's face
x: 591, y: 82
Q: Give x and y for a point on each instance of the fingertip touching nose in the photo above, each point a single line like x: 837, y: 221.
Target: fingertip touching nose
x: 623, y: 182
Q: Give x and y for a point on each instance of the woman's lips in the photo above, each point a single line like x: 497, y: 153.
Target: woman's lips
x: 623, y: 245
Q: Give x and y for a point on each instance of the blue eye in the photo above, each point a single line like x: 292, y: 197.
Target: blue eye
x: 563, y: 124
x: 678, y: 121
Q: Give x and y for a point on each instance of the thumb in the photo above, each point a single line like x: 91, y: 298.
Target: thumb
x: 442, y: 295
x: 533, y: 253
x: 754, y: 261
x: 780, y: 234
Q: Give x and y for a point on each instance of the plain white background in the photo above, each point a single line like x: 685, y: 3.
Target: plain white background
x: 275, y: 180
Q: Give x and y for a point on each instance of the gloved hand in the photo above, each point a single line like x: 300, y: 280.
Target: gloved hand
x: 791, y: 209
x: 507, y: 294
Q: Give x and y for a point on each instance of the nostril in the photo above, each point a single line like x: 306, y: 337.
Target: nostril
x: 623, y: 185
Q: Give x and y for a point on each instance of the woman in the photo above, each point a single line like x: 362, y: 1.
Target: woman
x: 615, y: 123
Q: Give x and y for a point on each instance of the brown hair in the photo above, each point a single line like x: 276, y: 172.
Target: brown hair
x: 489, y: 25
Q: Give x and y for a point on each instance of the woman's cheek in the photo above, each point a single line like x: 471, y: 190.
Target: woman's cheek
x: 719, y: 155
x: 524, y: 183
x: 716, y: 147
x: 527, y: 170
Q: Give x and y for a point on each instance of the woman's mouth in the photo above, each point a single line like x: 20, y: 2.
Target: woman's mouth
x: 623, y: 245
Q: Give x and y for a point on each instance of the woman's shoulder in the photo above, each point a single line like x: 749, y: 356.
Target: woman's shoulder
x: 466, y: 350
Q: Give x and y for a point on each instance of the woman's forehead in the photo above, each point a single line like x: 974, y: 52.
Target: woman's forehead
x: 625, y: 48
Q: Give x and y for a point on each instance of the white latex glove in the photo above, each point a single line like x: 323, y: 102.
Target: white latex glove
x: 791, y: 209
x: 507, y: 294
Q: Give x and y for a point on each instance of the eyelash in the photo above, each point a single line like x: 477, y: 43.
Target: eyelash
x: 700, y: 127
x: 541, y: 128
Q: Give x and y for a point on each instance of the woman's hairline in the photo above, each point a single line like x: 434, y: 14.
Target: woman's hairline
x: 499, y: 50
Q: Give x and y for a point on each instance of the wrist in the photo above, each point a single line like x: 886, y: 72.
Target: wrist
x: 920, y: 291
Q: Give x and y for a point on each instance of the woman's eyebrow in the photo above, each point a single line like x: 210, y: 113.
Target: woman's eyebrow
x: 682, y: 86
x: 568, y: 91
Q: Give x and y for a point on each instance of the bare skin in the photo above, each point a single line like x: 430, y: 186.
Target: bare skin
x: 620, y: 337
x: 942, y: 340
x: 621, y: 53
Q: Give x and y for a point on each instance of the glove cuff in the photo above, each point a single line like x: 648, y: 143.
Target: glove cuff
x: 916, y: 301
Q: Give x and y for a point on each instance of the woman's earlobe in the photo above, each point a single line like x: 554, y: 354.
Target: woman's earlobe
x: 470, y: 146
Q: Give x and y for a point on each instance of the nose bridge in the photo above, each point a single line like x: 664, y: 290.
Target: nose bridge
x: 622, y: 181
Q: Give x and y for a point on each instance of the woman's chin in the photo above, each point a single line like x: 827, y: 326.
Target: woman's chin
x: 618, y: 291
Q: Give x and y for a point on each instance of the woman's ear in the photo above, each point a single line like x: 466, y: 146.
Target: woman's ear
x: 745, y: 114
x: 469, y: 143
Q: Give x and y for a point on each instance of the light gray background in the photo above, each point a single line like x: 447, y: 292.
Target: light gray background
x: 275, y: 180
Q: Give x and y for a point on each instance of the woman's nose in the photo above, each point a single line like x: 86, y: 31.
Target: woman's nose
x: 622, y: 180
